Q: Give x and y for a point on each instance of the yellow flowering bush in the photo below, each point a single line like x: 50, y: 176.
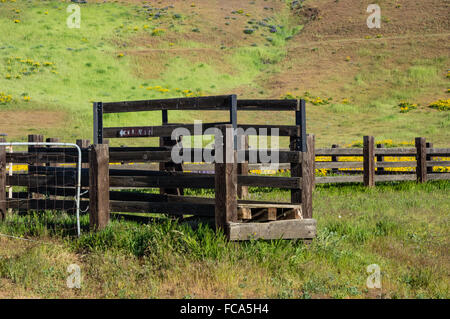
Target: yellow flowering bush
x: 316, y: 100
x: 5, y: 98
x: 441, y: 105
x: 406, y: 106
x: 158, y: 31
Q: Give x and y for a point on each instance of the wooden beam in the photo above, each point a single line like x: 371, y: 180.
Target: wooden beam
x: 99, y: 187
x: 266, y: 105
x: 285, y: 229
x: 225, y: 180
x: 369, y: 161
x: 307, y: 177
x: 192, y: 103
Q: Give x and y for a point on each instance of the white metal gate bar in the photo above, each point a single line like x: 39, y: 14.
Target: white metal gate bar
x: 78, y: 186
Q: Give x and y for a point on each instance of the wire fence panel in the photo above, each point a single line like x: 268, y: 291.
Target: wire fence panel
x: 43, y: 177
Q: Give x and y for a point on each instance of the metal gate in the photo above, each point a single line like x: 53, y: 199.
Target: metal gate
x: 49, y: 145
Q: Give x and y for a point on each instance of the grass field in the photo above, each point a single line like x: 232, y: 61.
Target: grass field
x: 401, y: 227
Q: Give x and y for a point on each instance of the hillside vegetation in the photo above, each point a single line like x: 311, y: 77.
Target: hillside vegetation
x: 354, y: 77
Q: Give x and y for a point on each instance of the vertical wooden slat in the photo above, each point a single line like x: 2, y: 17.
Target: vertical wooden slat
x: 429, y: 158
x: 296, y: 168
x: 369, y: 161
x: 3, y: 210
x: 380, y: 159
x: 243, y: 167
x: 226, y: 180
x: 421, y: 157
x: 307, y: 177
x: 99, y: 186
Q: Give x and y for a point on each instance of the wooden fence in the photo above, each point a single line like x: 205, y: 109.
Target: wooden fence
x: 372, y: 164
x: 238, y: 217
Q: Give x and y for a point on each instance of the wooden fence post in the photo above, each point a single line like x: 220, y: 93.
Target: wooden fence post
x: 421, y: 157
x: 335, y: 159
x: 98, y: 186
x: 225, y: 180
x: 380, y: 159
x: 307, y: 177
x: 242, y: 168
x: 307, y: 174
x: 369, y: 161
x: 83, y: 144
x: 3, y: 206
x: 429, y: 158
x: 312, y: 151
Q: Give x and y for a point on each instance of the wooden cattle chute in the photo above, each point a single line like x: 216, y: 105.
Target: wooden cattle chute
x: 241, y: 219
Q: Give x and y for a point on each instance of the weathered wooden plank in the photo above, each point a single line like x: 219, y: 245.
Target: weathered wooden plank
x: 266, y: 105
x: 286, y: 229
x: 270, y: 181
x: 226, y: 181
x: 339, y: 151
x: 43, y: 157
x: 184, y: 180
x: 339, y: 164
x: 172, y: 208
x: 46, y: 204
x: 166, y: 130
x: 339, y: 179
x: 439, y: 152
x: 193, y: 103
x: 40, y: 180
x: 396, y: 151
x: 394, y: 178
x: 369, y: 161
x: 439, y: 176
x: 307, y: 177
x: 99, y: 187
x: 438, y: 163
x: 397, y: 164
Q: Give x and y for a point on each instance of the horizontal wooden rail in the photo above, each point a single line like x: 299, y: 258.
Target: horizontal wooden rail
x: 193, y: 103
x: 45, y: 204
x: 172, y: 208
x: 167, y: 129
x: 266, y: 105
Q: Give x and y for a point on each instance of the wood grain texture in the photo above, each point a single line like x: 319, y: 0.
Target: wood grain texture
x: 369, y: 161
x: 421, y: 158
x: 99, y: 187
x: 286, y: 229
x: 226, y: 181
